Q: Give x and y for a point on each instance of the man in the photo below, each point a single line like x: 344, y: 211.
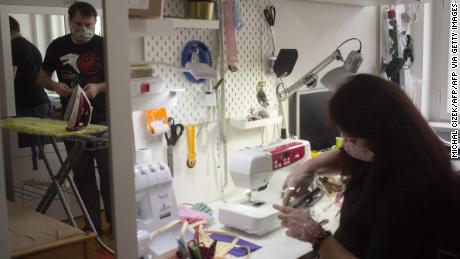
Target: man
x: 78, y: 59
x: 31, y: 100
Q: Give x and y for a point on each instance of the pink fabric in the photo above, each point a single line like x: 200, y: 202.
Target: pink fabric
x: 190, y: 215
x: 230, y: 36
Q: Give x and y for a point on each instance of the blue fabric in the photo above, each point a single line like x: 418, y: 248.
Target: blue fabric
x: 238, y: 22
x: 236, y: 251
x: 199, y: 48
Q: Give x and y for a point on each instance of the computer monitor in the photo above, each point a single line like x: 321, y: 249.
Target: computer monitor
x: 308, y: 118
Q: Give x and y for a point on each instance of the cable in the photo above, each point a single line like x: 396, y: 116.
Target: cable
x: 350, y: 39
x: 222, y: 137
x: 261, y: 44
x: 409, y: 52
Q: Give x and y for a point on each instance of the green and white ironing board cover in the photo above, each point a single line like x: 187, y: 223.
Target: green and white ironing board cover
x: 48, y: 127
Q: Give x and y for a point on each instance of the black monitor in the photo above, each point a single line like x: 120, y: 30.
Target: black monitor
x: 308, y: 118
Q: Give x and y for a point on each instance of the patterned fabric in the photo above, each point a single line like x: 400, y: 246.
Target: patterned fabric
x: 47, y: 127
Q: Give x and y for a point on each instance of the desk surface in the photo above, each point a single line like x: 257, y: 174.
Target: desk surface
x: 47, y: 127
x: 274, y: 244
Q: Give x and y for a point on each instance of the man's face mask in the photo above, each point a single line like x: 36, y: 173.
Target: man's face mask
x: 83, y: 35
x: 357, y: 149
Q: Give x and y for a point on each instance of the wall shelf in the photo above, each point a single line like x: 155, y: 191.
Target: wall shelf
x: 143, y: 27
x: 194, y: 23
x: 369, y: 2
x: 155, y: 99
x: 154, y: 85
x: 245, y: 124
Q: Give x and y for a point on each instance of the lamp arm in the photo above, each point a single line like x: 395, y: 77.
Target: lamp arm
x: 307, y: 78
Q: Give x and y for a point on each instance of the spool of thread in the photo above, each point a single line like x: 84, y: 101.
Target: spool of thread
x: 143, y: 156
x: 159, y: 127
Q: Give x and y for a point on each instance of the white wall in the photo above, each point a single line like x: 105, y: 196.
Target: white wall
x: 316, y: 29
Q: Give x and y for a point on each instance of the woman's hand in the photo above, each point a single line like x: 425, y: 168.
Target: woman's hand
x: 299, y: 224
x: 296, y: 184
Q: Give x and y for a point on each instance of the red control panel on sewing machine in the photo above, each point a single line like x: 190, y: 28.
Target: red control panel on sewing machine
x: 287, y: 154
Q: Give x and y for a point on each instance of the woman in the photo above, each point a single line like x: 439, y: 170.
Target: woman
x: 402, y: 197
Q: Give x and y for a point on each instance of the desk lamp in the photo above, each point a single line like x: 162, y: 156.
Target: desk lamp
x: 331, y: 80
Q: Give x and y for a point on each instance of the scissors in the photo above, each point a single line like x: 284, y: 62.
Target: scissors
x: 171, y: 141
x: 270, y: 15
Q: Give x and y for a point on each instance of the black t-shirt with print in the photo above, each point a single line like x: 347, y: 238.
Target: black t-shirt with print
x: 27, y: 59
x: 78, y: 64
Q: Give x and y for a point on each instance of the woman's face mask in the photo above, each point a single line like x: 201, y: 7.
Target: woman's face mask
x: 83, y: 35
x: 357, y: 148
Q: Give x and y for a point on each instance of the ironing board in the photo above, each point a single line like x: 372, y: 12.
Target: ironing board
x: 53, y: 129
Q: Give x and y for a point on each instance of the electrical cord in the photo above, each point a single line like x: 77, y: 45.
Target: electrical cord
x: 350, y: 39
x: 409, y: 52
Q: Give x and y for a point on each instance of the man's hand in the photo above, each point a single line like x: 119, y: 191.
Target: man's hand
x: 62, y: 89
x: 91, y: 90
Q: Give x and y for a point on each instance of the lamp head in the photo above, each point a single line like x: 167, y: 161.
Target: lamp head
x: 353, y: 61
x: 332, y: 79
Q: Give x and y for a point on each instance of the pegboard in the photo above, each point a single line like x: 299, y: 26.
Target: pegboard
x: 254, y: 45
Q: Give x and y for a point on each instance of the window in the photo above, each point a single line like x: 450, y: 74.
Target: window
x: 438, y: 96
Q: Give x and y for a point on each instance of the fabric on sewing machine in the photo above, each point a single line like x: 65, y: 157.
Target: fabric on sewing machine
x: 47, y: 127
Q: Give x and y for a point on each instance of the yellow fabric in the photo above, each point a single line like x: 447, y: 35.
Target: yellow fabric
x: 47, y: 127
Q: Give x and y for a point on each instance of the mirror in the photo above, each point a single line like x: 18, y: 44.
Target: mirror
x: 41, y: 30
x: 27, y: 185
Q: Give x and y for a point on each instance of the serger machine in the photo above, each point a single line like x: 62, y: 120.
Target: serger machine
x: 253, y: 169
x: 156, y: 203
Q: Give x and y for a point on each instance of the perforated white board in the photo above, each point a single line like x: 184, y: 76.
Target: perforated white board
x: 253, y: 42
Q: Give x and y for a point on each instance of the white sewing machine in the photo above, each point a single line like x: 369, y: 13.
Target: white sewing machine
x: 156, y: 203
x: 252, y: 169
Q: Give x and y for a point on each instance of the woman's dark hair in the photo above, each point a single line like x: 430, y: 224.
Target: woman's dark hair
x: 411, y: 170
x: 85, y: 9
x: 14, y: 25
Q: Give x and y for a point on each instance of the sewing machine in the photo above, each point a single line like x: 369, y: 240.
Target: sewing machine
x: 253, y: 169
x: 156, y: 203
